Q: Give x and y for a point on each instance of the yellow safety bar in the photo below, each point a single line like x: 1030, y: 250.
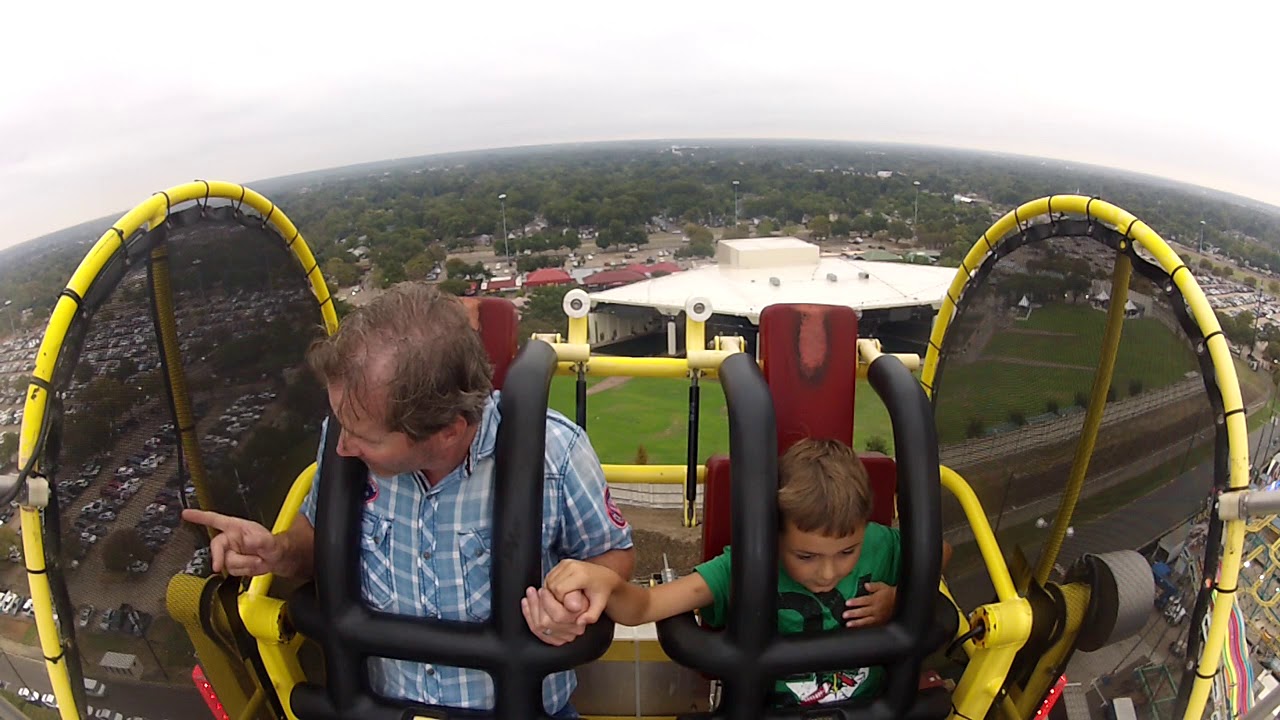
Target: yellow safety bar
x: 1136, y: 231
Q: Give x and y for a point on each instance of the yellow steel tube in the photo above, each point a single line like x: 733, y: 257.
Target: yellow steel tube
x: 695, y: 335
x: 578, y: 330
x: 298, y: 491
x: 630, y: 367
x: 988, y: 546
x: 1052, y: 662
x: 1007, y: 626
x: 184, y: 422
x: 42, y: 608
x: 1120, y: 274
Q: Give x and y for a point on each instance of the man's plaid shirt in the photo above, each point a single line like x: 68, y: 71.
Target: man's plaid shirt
x: 426, y: 550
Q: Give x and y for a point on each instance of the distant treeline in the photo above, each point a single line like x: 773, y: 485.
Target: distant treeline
x: 409, y: 214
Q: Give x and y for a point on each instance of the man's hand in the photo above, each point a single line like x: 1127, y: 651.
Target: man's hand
x: 553, y: 621
x: 874, y: 608
x: 241, y: 547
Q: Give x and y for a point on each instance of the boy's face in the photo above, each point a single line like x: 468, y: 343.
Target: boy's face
x: 816, y: 561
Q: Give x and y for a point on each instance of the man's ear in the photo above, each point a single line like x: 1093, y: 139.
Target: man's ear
x: 454, y: 430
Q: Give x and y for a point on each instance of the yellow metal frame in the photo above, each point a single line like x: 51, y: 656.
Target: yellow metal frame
x: 1136, y: 231
x: 147, y: 216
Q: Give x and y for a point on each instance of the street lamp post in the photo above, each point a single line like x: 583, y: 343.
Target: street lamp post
x: 505, y: 243
x: 735, y: 203
x: 915, y: 214
x: 1256, y: 312
x: 1202, y: 237
x: 13, y: 329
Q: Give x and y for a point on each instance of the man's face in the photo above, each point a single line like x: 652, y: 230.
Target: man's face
x: 816, y: 561
x: 365, y: 436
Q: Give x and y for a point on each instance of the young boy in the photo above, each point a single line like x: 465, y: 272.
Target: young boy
x: 836, y: 569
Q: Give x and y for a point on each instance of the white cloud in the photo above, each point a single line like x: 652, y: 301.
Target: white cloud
x: 101, y: 107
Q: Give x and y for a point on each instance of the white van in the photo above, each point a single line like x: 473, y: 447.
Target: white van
x: 1122, y: 709
x: 94, y: 688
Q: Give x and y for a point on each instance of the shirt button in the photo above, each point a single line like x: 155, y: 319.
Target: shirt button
x: 426, y: 555
x: 431, y: 671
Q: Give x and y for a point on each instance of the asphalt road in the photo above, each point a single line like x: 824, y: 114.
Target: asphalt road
x: 150, y: 701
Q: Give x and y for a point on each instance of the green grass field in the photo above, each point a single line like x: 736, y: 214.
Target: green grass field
x: 654, y: 413
x: 1050, y: 357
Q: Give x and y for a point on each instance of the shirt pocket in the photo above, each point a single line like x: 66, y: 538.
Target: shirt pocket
x: 474, y: 553
x: 375, y: 553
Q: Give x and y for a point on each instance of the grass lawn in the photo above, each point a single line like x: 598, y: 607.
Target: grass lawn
x: 1070, y: 335
x: 654, y: 413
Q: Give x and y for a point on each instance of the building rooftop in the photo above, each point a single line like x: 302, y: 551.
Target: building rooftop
x: 746, y: 291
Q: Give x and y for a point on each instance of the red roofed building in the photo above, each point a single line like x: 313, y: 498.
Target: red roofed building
x: 606, y: 279
x: 662, y: 267
x: 503, y: 284
x: 547, y: 276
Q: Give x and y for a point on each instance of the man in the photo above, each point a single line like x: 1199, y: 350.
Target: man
x: 410, y: 382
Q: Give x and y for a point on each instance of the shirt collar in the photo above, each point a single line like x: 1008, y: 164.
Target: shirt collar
x: 486, y: 441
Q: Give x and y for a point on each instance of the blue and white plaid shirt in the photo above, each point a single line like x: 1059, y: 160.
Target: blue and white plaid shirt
x: 426, y: 551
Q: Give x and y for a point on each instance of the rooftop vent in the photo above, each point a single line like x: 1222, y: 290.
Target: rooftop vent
x: 831, y: 277
x: 864, y: 275
x: 775, y: 282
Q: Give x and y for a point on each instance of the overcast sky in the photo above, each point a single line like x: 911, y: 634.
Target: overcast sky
x: 100, y: 107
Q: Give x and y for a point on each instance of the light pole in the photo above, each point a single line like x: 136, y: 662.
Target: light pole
x: 13, y: 330
x: 915, y: 215
x: 505, y: 244
x: 1201, y: 237
x: 735, y: 203
x: 1256, y: 311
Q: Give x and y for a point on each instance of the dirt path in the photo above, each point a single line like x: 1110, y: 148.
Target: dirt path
x: 608, y: 383
x: 1050, y: 333
x: 1036, y: 363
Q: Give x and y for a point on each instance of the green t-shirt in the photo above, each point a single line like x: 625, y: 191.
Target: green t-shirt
x: 800, y: 610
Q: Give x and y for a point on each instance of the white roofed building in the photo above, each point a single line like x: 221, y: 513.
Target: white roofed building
x: 896, y: 300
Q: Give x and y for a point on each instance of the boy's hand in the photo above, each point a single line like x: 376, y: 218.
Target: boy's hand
x: 565, y: 587
x: 874, y: 608
x: 595, y: 581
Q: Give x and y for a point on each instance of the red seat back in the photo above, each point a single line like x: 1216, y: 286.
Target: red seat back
x: 810, y: 361
x: 497, y: 322
x: 809, y: 354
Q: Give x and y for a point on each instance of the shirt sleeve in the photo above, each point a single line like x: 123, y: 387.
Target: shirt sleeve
x: 716, y: 573
x: 592, y: 525
x: 892, y: 539
x: 308, y: 508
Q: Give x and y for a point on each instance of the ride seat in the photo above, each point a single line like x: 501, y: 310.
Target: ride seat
x: 809, y: 355
x: 809, y: 359
x: 498, y: 323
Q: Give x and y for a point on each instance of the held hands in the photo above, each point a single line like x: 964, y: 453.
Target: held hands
x: 873, y: 608
x: 572, y: 597
x: 241, y: 547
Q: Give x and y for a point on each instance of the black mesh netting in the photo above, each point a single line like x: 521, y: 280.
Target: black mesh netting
x: 1017, y: 370
x: 244, y: 317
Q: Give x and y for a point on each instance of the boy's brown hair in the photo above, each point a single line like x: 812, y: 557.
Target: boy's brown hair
x: 823, y: 488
